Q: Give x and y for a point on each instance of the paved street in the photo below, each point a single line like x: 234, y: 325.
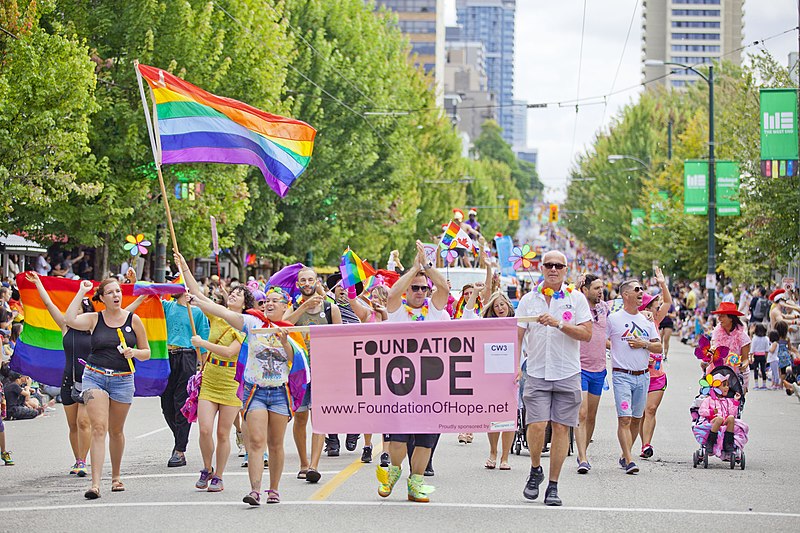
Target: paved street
x: 668, y: 494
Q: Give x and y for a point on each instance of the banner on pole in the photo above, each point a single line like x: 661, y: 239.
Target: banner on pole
x: 419, y: 377
x: 727, y: 176
x: 637, y: 222
x: 504, y: 245
x: 695, y: 187
x: 779, y: 136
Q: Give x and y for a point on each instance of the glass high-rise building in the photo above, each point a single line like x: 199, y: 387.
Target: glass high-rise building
x: 492, y: 23
x: 690, y: 32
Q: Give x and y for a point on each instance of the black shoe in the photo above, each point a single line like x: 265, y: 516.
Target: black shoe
x: 332, y: 446
x: 351, y: 442
x: 429, y: 471
x: 333, y: 452
x: 366, y: 454
x: 312, y: 476
x: 727, y: 442
x: 531, y: 490
x: 551, y: 497
x: 711, y: 441
x: 177, y: 459
x: 384, y: 460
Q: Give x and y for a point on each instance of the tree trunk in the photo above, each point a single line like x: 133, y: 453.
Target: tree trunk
x: 104, y: 261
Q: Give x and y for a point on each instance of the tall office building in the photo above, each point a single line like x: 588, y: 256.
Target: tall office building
x: 492, y: 23
x: 690, y: 32
x: 423, y: 22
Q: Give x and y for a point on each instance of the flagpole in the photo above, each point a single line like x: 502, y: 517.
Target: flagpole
x: 157, y: 160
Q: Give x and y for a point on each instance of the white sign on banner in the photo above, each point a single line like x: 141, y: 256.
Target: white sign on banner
x: 711, y: 281
x: 788, y: 283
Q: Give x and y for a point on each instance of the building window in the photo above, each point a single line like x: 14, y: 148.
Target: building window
x: 694, y: 24
x: 689, y: 60
x: 695, y: 12
x: 696, y: 36
x: 695, y: 48
x: 715, y: 2
x: 423, y: 49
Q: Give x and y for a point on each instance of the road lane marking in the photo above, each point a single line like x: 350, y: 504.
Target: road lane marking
x: 193, y: 475
x: 152, y: 432
x: 432, y: 505
x: 336, y: 481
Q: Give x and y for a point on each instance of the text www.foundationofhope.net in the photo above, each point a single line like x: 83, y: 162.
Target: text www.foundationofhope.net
x: 417, y: 408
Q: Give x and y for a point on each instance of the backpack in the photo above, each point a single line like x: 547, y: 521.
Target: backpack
x: 761, y: 309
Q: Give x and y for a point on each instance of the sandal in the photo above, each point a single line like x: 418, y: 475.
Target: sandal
x: 252, y: 498
x: 302, y: 474
x: 505, y: 466
x: 92, y: 494
x: 273, y: 496
x: 490, y: 464
x: 117, y: 486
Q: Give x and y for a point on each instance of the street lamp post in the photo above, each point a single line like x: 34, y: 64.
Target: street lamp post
x: 711, y: 272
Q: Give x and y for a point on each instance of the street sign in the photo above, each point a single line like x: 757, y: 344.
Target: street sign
x: 788, y: 284
x: 513, y: 209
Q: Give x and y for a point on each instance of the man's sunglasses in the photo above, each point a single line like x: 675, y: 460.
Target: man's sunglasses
x: 557, y: 266
x: 418, y: 288
x: 637, y: 289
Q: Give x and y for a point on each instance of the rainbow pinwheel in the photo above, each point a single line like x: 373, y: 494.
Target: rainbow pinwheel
x: 733, y: 360
x: 136, y: 245
x: 708, y: 383
x: 523, y: 258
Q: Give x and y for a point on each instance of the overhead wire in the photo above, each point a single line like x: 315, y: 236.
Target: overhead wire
x: 580, y: 65
x: 621, y: 57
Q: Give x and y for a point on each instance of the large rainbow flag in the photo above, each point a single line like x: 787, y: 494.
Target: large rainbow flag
x: 195, y: 126
x: 39, y: 352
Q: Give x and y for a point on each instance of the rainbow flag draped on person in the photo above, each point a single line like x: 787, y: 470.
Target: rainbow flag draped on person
x: 195, y: 126
x: 354, y: 269
x: 39, y: 352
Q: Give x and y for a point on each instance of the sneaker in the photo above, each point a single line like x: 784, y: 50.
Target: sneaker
x: 252, y: 498
x: 647, y: 451
x: 266, y: 460
x: 240, y: 443
x: 244, y: 460
x: 177, y: 459
x: 551, y: 497
x: 387, y: 478
x: 332, y: 446
x: 622, y: 463
x: 583, y: 467
x: 205, y: 476
x: 366, y: 454
x: 216, y: 485
x: 531, y: 490
x: 429, y: 471
x: 81, y: 470
x: 418, y: 491
x: 384, y: 460
x: 74, y: 469
x: 7, y: 460
x: 351, y: 442
x: 631, y: 468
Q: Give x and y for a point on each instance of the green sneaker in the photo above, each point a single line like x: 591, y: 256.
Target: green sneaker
x: 6, y: 456
x: 418, y: 491
x: 387, y: 478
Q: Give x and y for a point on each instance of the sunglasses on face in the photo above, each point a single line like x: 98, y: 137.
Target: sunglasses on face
x: 419, y: 288
x: 636, y: 289
x: 557, y: 266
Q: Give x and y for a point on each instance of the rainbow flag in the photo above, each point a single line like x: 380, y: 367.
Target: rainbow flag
x: 159, y: 289
x: 455, y: 237
x: 40, y: 354
x: 354, y: 269
x: 195, y: 126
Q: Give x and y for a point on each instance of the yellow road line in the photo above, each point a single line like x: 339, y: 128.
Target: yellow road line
x: 336, y: 481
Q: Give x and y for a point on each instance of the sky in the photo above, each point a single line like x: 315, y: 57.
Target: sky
x: 547, y: 52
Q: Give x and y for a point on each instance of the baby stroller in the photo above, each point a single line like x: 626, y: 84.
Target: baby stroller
x: 521, y: 436
x: 702, y: 427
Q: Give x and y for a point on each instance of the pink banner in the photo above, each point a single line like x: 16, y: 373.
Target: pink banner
x: 420, y: 377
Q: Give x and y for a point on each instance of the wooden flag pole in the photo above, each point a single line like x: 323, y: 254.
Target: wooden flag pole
x: 157, y: 160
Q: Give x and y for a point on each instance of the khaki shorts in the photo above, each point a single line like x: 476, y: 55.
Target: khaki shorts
x: 558, y: 401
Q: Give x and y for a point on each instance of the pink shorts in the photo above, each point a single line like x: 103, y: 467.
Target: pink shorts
x: 658, y: 383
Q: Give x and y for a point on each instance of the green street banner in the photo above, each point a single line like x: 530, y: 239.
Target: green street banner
x: 637, y: 222
x: 779, y: 136
x: 727, y: 174
x: 695, y: 187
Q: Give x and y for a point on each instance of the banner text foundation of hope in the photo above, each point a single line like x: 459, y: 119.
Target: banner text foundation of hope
x: 418, y: 377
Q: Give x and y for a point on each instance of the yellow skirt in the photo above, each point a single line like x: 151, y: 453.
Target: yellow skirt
x: 219, y: 385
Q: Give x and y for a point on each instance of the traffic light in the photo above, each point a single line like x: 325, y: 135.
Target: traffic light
x: 553, y: 213
x: 513, y: 209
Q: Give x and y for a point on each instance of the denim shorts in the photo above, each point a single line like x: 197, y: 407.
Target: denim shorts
x: 630, y: 393
x: 272, y: 399
x: 592, y: 382
x: 305, y: 405
x: 119, y: 388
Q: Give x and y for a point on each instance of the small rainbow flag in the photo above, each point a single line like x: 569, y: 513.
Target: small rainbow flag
x: 158, y: 289
x: 195, y: 126
x: 354, y: 269
x: 40, y: 353
x: 455, y: 237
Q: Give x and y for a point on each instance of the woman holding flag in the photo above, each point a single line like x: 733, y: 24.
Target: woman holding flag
x: 118, y: 336
x: 274, y: 373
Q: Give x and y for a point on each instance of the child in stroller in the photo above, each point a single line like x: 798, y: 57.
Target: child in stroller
x: 719, y: 404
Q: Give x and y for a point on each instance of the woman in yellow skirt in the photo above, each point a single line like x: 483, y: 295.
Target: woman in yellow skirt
x: 218, y: 390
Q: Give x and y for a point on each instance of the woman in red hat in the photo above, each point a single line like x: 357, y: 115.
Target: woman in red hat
x: 731, y: 332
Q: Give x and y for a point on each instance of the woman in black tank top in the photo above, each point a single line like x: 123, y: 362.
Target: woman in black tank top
x: 108, y: 378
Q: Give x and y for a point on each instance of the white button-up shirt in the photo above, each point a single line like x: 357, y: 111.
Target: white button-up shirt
x: 552, y: 354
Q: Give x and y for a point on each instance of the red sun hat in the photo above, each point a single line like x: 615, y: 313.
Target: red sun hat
x: 776, y: 293
x: 727, y: 308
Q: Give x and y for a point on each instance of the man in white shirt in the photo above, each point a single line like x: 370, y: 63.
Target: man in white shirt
x: 409, y: 301
x: 633, y: 339
x: 552, y: 391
